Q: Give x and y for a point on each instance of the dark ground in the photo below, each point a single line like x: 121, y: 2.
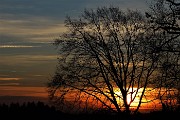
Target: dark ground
x: 41, y: 111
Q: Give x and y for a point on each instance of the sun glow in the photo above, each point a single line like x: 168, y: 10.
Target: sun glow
x: 148, y: 101
x: 132, y: 97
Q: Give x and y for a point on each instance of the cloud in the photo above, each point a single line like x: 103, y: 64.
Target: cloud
x: 27, y: 24
x: 9, y: 84
x: 9, y: 79
x: 42, y: 20
x: 37, y: 75
x: 32, y: 30
x: 26, y: 59
x: 17, y: 46
x: 23, y: 91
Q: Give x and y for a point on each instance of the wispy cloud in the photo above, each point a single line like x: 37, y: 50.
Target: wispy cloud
x: 9, y: 79
x: 26, y: 59
x: 9, y: 84
x: 17, y: 46
x: 3, y: 75
x: 37, y: 75
x: 23, y: 91
x: 25, y: 22
x: 32, y: 30
x: 37, y: 23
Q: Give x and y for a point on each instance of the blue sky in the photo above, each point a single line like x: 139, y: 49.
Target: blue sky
x: 27, y: 28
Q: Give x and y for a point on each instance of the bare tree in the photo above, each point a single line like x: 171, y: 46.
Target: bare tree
x: 164, y: 16
x: 108, y: 58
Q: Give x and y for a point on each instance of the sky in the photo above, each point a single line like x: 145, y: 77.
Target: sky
x: 27, y: 29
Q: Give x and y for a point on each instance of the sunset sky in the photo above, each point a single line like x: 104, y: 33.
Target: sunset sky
x: 27, y: 29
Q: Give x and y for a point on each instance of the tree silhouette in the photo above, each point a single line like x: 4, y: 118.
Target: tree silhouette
x: 108, y: 58
x: 164, y: 16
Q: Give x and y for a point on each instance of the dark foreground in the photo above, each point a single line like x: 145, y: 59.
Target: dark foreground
x: 40, y: 111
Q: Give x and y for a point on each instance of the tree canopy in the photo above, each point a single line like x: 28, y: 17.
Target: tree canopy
x: 109, y: 58
x: 164, y: 15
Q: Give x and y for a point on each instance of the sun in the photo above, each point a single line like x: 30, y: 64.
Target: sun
x: 132, y: 98
x: 129, y: 98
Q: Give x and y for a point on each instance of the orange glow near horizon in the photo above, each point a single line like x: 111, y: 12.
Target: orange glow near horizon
x: 23, y: 91
x: 147, y: 101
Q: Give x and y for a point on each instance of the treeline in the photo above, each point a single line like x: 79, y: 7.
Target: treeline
x: 40, y: 110
x: 32, y: 110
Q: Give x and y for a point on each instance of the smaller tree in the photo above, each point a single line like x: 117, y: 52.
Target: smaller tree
x: 164, y: 16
